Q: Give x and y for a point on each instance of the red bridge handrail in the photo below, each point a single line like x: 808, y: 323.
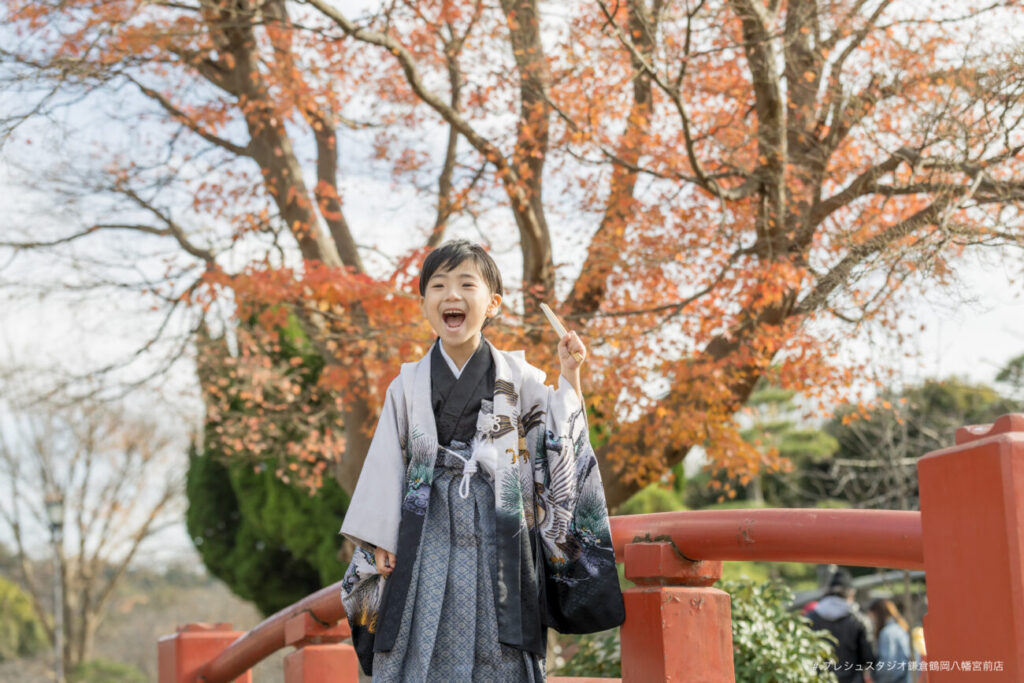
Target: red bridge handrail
x: 863, y: 538
x: 267, y: 637
x: 868, y: 538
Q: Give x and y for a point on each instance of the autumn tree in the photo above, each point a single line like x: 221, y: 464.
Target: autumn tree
x: 711, y: 191
x: 114, y: 473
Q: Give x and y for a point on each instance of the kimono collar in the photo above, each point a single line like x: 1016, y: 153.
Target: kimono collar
x: 508, y: 377
x: 456, y: 370
x: 456, y: 400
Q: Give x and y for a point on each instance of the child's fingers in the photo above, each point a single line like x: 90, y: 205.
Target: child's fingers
x: 576, y: 344
x: 573, y: 345
x: 385, y: 561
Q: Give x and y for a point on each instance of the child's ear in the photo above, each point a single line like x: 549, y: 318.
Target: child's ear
x: 494, y: 306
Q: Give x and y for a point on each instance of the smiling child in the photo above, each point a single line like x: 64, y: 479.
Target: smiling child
x: 479, y: 518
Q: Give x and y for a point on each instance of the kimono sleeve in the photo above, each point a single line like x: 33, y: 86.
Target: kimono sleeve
x: 372, y: 521
x: 376, y: 506
x: 581, y: 585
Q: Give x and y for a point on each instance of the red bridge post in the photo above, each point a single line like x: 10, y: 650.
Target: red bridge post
x: 972, y: 519
x: 180, y: 656
x: 677, y: 627
x: 319, y: 656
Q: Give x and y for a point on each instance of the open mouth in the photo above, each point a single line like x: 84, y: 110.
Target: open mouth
x: 454, y: 319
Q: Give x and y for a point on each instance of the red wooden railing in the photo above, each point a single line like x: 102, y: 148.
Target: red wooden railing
x: 969, y: 538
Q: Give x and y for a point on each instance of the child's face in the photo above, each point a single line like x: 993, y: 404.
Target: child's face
x: 456, y: 303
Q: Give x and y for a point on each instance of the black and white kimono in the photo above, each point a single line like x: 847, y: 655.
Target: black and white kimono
x: 487, y: 490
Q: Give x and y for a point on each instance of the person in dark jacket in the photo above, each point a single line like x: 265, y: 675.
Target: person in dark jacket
x: 836, y: 614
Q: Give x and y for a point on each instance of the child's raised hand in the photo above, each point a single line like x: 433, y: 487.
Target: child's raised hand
x: 385, y: 561
x: 571, y: 354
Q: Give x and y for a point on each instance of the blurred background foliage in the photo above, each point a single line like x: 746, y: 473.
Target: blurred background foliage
x: 21, y: 632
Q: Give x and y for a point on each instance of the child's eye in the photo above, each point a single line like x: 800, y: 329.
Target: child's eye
x: 469, y: 284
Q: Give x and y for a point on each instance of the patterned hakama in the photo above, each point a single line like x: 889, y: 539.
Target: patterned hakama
x: 446, y: 633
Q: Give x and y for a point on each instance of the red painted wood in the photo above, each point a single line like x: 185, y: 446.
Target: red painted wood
x: 1005, y: 424
x: 181, y: 656
x: 649, y: 564
x: 867, y: 538
x: 858, y: 537
x: 333, y: 663
x: 972, y: 506
x: 320, y: 655
x: 972, y: 543
x: 268, y: 636
x: 304, y: 629
x: 678, y: 633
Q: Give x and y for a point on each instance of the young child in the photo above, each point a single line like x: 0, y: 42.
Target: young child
x: 479, y: 518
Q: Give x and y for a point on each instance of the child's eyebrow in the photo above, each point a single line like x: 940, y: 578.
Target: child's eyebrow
x: 464, y: 276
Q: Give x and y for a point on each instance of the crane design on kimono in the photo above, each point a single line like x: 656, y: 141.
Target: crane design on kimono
x: 569, y: 467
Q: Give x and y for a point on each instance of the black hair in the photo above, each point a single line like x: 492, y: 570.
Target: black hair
x: 452, y: 253
x: 841, y: 583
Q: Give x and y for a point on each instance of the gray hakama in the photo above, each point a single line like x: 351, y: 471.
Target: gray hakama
x: 446, y: 634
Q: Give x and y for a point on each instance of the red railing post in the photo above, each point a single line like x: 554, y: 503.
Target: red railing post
x: 180, y: 656
x: 320, y: 657
x: 972, y: 519
x: 677, y: 627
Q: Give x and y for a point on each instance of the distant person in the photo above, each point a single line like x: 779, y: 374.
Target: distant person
x: 894, y: 654
x: 836, y: 613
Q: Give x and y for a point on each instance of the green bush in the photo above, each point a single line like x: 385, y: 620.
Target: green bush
x: 654, y: 498
x: 769, y: 643
x: 271, y: 543
x: 21, y: 632
x: 105, y: 671
x: 753, y: 572
x: 596, y: 655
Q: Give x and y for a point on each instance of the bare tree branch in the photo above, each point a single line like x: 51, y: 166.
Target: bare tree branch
x: 78, y: 454
x: 189, y: 122
x: 840, y: 273
x: 858, y: 187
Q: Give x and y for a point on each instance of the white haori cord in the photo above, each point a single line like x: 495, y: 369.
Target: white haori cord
x: 483, y: 454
